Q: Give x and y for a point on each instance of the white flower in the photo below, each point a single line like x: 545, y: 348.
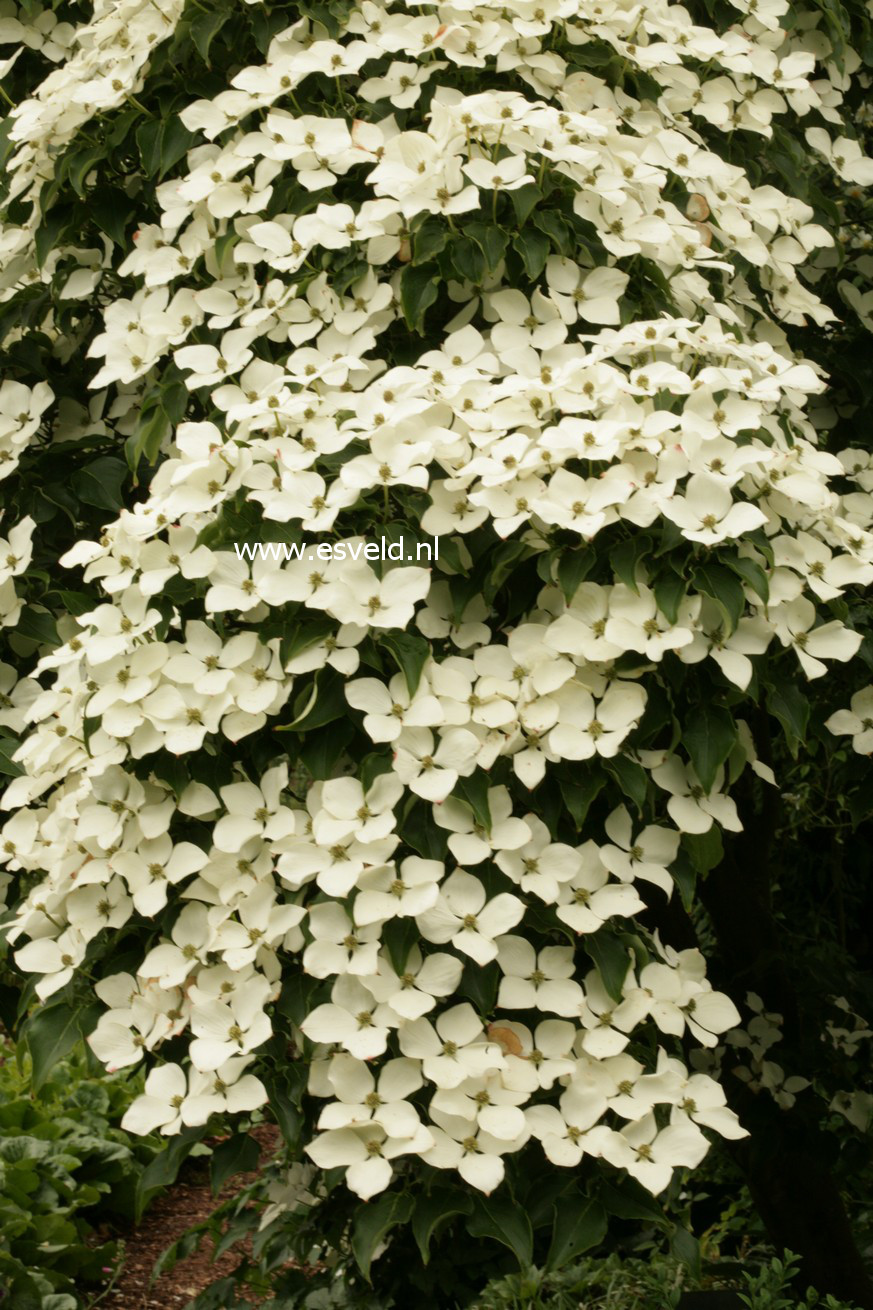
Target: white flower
x: 586, y: 728
x: 651, y: 1156
x: 543, y: 981
x: 857, y: 721
x: 366, y: 1150
x: 464, y: 916
x: 689, y: 806
x: 708, y: 513
x: 388, y: 891
x: 456, y: 1049
x: 475, y: 1153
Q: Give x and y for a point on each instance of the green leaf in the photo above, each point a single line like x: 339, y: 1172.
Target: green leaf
x: 409, y: 652
x: 705, y: 850
x: 305, y: 632
x: 320, y: 750
x: 164, y: 1168
x: 789, y: 705
x: 524, y: 201
x: 708, y: 736
x: 751, y: 573
x: 78, y: 165
x: 429, y: 240
x: 631, y: 778
x: 238, y: 1155
x: 474, y: 790
x: 623, y: 559
x: 553, y: 225
x: 717, y: 582
x: 534, y: 250
x: 573, y: 568
x: 432, y: 1210
x: 579, y: 795
x: 38, y: 625
x: 152, y: 427
x: 399, y: 935
x: 52, y: 1032
x: 419, y: 287
x: 148, y: 139
x: 205, y: 27
x: 176, y: 141
x: 611, y: 958
x: 468, y: 260
x: 498, y: 1217
x: 628, y: 1200
x: 372, y: 1224
x: 491, y: 240
x: 326, y: 703
x: 686, y: 1248
x: 100, y: 483
x: 48, y: 234
x: 669, y: 590
x: 502, y: 563
x: 8, y: 767
x: 580, y: 1223
x: 479, y: 984
x: 112, y: 210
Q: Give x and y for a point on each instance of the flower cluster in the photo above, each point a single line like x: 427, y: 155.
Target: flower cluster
x: 544, y: 322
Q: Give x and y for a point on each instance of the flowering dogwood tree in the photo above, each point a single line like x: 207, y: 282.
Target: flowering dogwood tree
x: 395, y: 846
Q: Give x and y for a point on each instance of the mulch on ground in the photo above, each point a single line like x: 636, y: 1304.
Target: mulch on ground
x: 188, y: 1202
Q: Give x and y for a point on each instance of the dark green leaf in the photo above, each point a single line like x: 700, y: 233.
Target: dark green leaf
x: 555, y: 229
x: 38, y: 625
x: 787, y: 702
x: 631, y: 778
x: 429, y: 240
x: 468, y: 260
x: 491, y: 240
x: 524, y: 201
x: 409, y: 652
x: 238, y: 1155
x: 418, y: 291
x: 474, y: 790
x: 100, y: 483
x: 686, y: 1248
x: 580, y: 1223
x: 112, y: 211
x: 611, y: 958
x: 705, y: 850
x: 205, y: 27
x: 164, y: 1168
x: 432, y: 1210
x: 723, y: 586
x: 176, y: 140
x: 148, y: 139
x: 579, y: 793
x: 8, y: 767
x: 573, y: 568
x: 751, y: 573
x: 53, y: 1031
x: 534, y: 250
x: 708, y: 736
x: 669, y: 594
x: 499, y: 1218
x: 372, y: 1224
x: 624, y: 557
x: 399, y: 935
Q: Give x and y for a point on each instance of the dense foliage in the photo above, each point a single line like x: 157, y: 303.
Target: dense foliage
x: 545, y: 296
x: 67, y: 1172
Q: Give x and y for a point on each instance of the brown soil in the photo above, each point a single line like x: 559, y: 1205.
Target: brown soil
x: 186, y: 1203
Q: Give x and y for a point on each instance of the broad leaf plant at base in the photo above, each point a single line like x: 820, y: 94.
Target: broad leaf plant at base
x: 398, y: 848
